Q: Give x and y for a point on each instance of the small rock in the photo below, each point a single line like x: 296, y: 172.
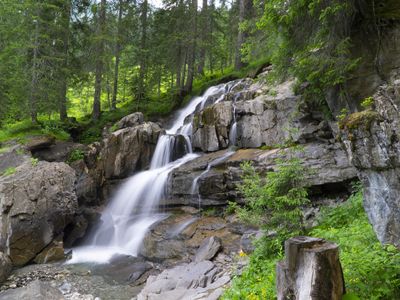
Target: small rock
x: 208, y: 249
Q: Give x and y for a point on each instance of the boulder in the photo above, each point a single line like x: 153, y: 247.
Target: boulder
x: 39, y: 142
x: 53, y: 252
x: 37, y: 203
x: 11, y: 156
x: 131, y: 120
x: 36, y: 290
x: 208, y: 249
x: 5, y: 267
x: 59, y: 151
x: 128, y: 150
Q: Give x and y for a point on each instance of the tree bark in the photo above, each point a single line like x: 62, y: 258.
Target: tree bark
x: 66, y: 15
x: 143, y: 56
x: 311, y: 271
x: 204, y: 37
x: 245, y: 13
x: 117, y: 56
x: 99, y: 61
x: 192, y: 49
x: 35, y: 75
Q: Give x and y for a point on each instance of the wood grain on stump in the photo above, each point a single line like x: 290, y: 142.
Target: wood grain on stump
x: 311, y: 271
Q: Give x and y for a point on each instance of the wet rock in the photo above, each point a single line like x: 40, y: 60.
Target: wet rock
x: 37, y: 203
x: 128, y: 150
x: 131, y: 120
x: 208, y: 249
x: 36, y: 290
x: 5, y: 266
x: 53, y: 252
x: 39, y: 142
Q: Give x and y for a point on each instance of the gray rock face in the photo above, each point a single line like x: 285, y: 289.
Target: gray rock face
x: 12, y: 156
x: 37, y: 203
x: 208, y: 249
x: 328, y: 164
x: 372, y: 142
x: 5, y: 266
x: 189, y: 281
x: 128, y: 150
x: 36, y: 290
x: 58, y: 152
x: 131, y: 120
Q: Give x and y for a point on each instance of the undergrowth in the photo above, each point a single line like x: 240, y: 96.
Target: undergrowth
x: 371, y: 271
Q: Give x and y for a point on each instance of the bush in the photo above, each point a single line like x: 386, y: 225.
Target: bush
x: 75, y: 155
x: 275, y: 203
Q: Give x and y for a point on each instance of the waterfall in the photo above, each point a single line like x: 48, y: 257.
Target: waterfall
x: 129, y: 215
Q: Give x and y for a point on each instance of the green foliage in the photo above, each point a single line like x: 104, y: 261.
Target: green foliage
x: 371, y: 271
x: 275, y: 203
x: 75, y: 155
x: 34, y: 161
x: 23, y: 129
x: 309, y: 40
x: 367, y: 103
x: 9, y: 171
x: 344, y: 112
x: 257, y: 281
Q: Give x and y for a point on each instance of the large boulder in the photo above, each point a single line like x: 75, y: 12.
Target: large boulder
x: 37, y: 202
x: 128, y: 150
x: 131, y: 120
x: 372, y: 141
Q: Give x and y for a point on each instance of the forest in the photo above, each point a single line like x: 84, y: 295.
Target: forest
x: 199, y: 149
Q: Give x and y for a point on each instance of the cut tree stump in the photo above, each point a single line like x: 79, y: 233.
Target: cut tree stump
x: 311, y: 270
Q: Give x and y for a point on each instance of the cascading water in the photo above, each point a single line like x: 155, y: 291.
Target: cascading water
x: 133, y: 210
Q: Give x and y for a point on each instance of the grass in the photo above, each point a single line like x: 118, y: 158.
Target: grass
x: 371, y: 271
x: 22, y: 130
x: 9, y: 171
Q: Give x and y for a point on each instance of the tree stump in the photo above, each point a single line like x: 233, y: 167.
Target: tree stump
x: 311, y: 271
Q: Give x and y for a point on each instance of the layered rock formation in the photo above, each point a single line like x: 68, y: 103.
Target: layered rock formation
x: 371, y: 138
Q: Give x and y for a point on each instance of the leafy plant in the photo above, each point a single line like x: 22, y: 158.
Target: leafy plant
x: 34, y: 161
x: 75, y: 155
x: 274, y: 203
x: 367, y: 103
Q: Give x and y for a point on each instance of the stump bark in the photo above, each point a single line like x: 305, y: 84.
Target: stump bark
x: 311, y: 271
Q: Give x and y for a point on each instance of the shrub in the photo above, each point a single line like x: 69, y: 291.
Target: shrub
x: 274, y: 203
x: 75, y: 155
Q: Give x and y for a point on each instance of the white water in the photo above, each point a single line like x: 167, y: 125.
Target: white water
x: 129, y: 215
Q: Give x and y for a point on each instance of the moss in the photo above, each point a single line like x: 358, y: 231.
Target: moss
x: 361, y: 119
x: 207, y: 116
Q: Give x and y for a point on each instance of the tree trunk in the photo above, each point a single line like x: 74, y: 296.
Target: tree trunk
x: 204, y: 37
x: 245, y: 13
x: 117, y: 56
x: 143, y: 42
x: 192, y: 49
x: 35, y: 75
x: 66, y: 15
x: 310, y: 271
x: 99, y: 61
